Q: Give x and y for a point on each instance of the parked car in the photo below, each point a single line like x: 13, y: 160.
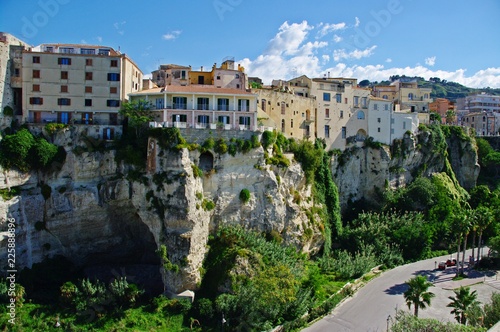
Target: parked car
x: 451, y: 262
x: 442, y: 265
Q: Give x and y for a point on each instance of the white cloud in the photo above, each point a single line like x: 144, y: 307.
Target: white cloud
x: 431, y: 61
x: 326, y: 28
x: 172, y: 35
x: 99, y: 39
x: 288, y: 39
x: 290, y: 54
x: 356, y: 54
x: 119, y: 27
x: 337, y: 38
x: 357, y: 22
x: 83, y: 41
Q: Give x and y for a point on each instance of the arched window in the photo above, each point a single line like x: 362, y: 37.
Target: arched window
x: 385, y: 97
x: 410, y: 96
x: 361, y: 115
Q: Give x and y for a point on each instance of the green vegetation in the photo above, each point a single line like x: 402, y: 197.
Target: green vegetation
x: 25, y: 152
x: 244, y: 196
x: 418, y: 294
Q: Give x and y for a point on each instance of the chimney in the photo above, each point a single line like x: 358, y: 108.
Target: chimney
x: 201, y: 68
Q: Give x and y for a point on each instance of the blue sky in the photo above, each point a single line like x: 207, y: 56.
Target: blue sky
x: 368, y: 39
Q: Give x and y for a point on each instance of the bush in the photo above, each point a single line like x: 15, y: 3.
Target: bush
x: 220, y: 146
x: 8, y: 111
x: 244, y: 195
x: 268, y: 139
x: 209, y: 143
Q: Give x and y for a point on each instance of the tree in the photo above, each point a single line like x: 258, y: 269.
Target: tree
x: 418, y: 294
x: 435, y: 117
x: 463, y: 300
x: 138, y: 113
x: 450, y: 116
x: 484, y: 218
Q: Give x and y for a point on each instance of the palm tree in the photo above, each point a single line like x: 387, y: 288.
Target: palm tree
x: 418, y: 294
x: 484, y: 218
x: 463, y: 301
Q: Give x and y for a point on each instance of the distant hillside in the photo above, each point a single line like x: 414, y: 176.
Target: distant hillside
x: 440, y: 88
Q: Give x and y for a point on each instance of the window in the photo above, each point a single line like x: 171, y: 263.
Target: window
x: 114, y: 63
x: 103, y: 51
x: 338, y: 98
x: 223, y: 104
x: 88, y: 102
x: 327, y: 113
x: 63, y: 117
x: 88, y: 62
x: 113, y: 103
x: 363, y: 102
x: 88, y: 76
x: 375, y: 107
x: 237, y: 76
x: 345, y: 100
x: 36, y: 59
x: 64, y: 61
x: 114, y: 77
x: 36, y: 73
x: 63, y: 101
x: 17, y: 73
x: 36, y: 87
x: 36, y: 101
x: 68, y: 50
x: 88, y: 89
x: 159, y: 103
x: 283, y: 125
x: 386, y: 107
x: 410, y: 96
x: 291, y: 123
x: 204, y: 119
x: 341, y: 114
x: 378, y: 129
x: 344, y: 132
x: 87, y: 51
x: 245, y: 120
x: 326, y: 96
x: 327, y: 131
x: 356, y: 101
x: 379, y: 120
x: 64, y: 88
x: 404, y: 124
x: 283, y: 107
x: 64, y: 75
x: 224, y: 119
x: 113, y: 89
x: 263, y: 104
x: 385, y: 97
x: 180, y: 103
x: 203, y: 103
x: 361, y: 115
x: 243, y: 105
x: 218, y: 77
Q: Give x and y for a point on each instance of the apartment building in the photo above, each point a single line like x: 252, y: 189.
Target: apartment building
x: 482, y: 102
x: 290, y: 114
x: 341, y: 108
x: 76, y: 83
x: 484, y: 123
x: 225, y: 76
x: 442, y: 106
x: 11, y: 49
x: 406, y: 93
x: 202, y: 107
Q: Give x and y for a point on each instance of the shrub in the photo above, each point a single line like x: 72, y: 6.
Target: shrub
x: 244, y: 195
x: 209, y: 143
x: 52, y: 128
x: 8, y: 111
x: 268, y: 139
x: 207, y: 205
x: 220, y: 146
x: 197, y: 172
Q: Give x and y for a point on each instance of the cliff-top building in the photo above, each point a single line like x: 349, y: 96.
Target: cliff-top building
x: 76, y: 83
x: 218, y: 98
x: 406, y: 93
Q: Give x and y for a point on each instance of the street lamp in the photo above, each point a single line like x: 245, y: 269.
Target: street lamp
x: 388, y: 320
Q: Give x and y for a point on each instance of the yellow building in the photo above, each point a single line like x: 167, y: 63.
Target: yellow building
x: 76, y: 83
x: 289, y: 113
x: 406, y: 93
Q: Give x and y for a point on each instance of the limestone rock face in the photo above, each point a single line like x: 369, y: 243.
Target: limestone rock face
x: 367, y: 170
x: 94, y: 214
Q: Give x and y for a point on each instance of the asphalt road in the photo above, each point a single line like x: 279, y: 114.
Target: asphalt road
x: 373, y: 307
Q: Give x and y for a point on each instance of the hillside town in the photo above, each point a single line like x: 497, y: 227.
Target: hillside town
x: 86, y: 85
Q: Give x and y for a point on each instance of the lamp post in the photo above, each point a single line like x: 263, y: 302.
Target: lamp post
x: 388, y: 320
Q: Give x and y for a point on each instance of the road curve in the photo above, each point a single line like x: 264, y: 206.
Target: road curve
x: 373, y: 307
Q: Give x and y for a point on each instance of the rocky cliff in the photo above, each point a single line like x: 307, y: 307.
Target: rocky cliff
x: 363, y: 172
x: 110, y: 219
